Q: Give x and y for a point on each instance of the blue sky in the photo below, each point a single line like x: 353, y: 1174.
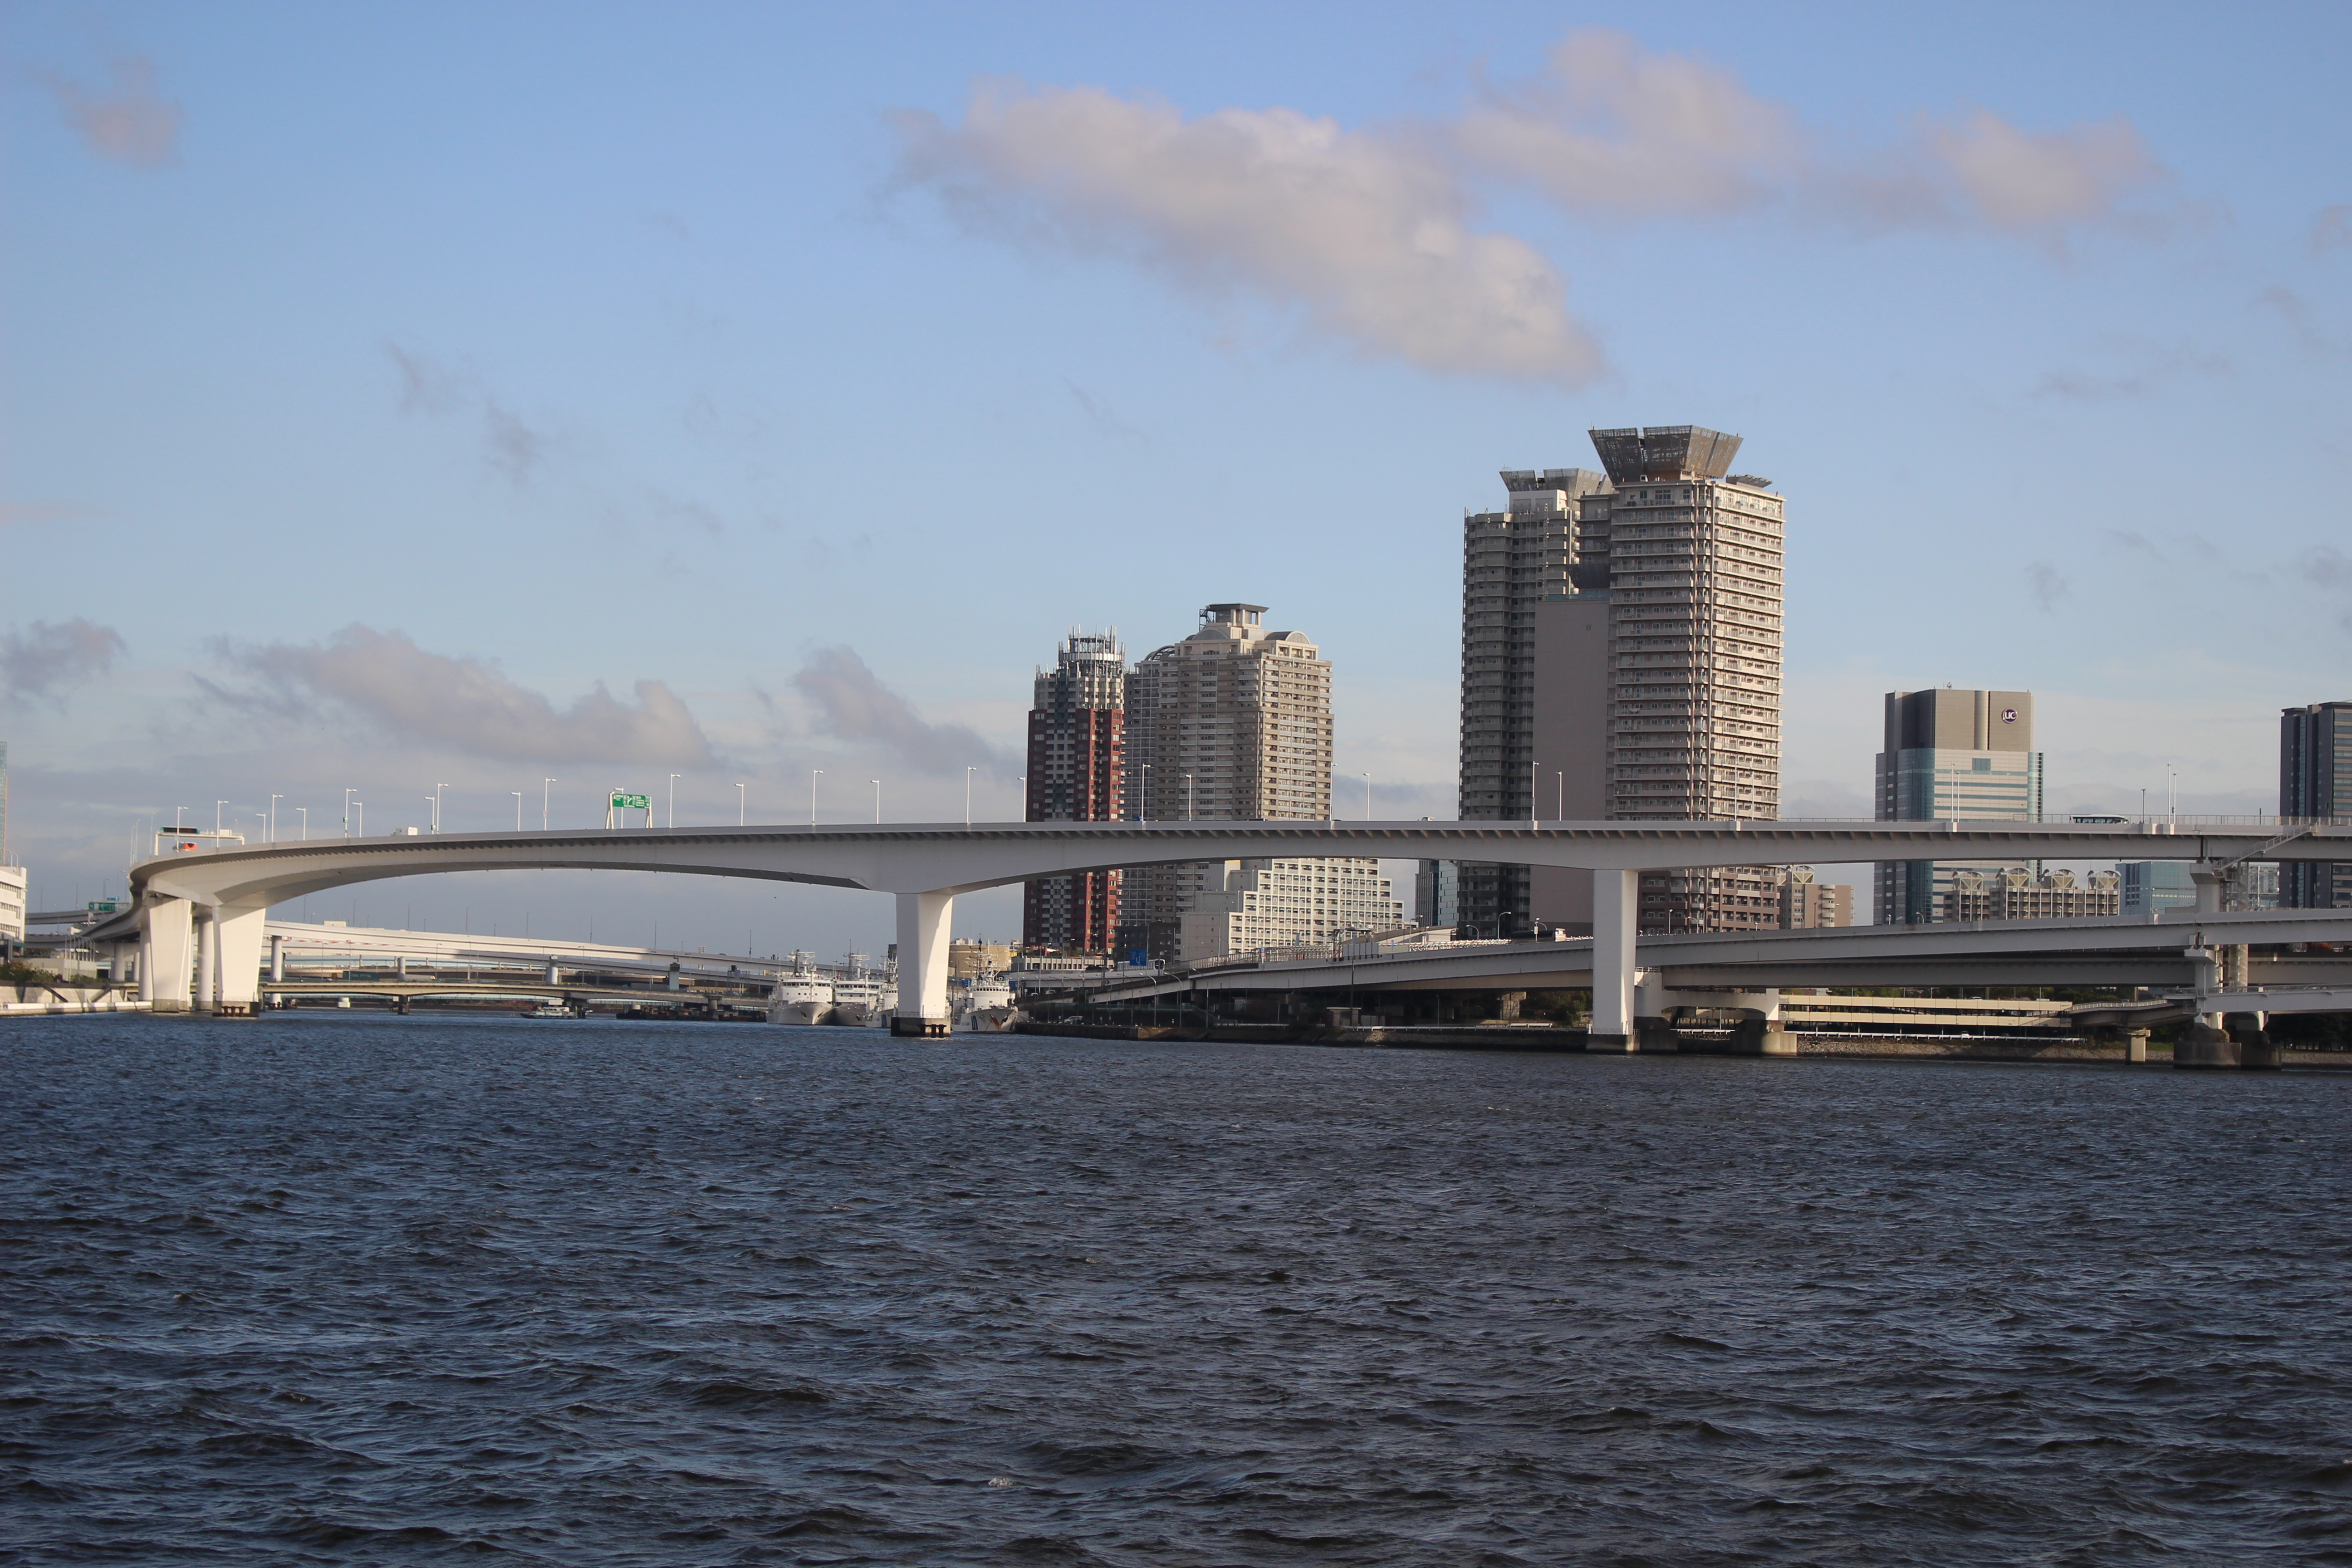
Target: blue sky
x: 471, y: 395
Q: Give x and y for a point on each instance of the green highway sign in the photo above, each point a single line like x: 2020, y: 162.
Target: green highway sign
x: 632, y: 802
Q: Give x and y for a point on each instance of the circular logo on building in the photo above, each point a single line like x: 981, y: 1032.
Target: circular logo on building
x: 2009, y: 715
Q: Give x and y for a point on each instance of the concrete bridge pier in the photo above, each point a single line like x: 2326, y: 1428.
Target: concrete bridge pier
x: 924, y: 922
x: 2255, y: 1049
x: 278, y: 958
x: 1615, y: 905
x: 1653, y: 1025
x: 237, y: 934
x: 166, y: 940
x: 208, y: 960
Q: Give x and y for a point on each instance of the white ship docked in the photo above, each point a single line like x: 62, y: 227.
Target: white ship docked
x: 864, y: 998
x: 985, y: 1005
x: 803, y: 996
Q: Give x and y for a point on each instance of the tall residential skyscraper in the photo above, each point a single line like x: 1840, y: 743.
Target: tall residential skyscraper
x: 1628, y: 668
x: 1951, y: 754
x: 1512, y: 561
x: 1077, y: 740
x: 2316, y: 780
x: 1233, y: 724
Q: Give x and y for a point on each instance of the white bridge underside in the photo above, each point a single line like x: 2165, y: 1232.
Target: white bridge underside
x: 217, y: 901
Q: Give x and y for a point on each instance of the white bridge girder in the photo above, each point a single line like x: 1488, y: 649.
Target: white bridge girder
x: 927, y: 865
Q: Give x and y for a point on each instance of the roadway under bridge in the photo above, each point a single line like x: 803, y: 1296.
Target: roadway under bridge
x: 200, y: 913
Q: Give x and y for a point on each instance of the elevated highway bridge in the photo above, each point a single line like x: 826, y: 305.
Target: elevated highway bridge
x: 204, y: 910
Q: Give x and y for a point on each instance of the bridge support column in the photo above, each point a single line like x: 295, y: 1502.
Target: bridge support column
x: 277, y: 958
x: 2203, y: 1044
x: 166, y: 935
x: 924, y: 922
x: 208, y: 961
x: 2255, y: 1048
x: 1616, y: 897
x: 238, y: 938
x: 2135, y: 1044
x: 2208, y: 883
x: 1653, y: 1031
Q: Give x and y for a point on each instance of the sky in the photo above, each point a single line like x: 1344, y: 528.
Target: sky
x: 472, y: 396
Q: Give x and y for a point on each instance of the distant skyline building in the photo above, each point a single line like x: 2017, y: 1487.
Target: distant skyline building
x: 1951, y: 754
x: 1077, y: 773
x: 1286, y: 903
x: 2016, y: 893
x: 1620, y: 660
x: 2316, y: 781
x: 1810, y: 905
x: 1437, y: 894
x: 2152, y: 887
x: 1512, y: 561
x: 1231, y: 724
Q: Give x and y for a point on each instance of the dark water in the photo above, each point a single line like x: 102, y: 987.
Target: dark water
x: 406, y: 1291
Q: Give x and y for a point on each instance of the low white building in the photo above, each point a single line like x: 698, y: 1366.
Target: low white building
x: 13, y: 880
x: 1245, y: 905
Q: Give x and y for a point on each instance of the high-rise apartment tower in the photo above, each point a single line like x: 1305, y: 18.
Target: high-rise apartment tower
x: 1077, y: 740
x: 1512, y: 561
x: 2316, y: 781
x: 1951, y: 754
x: 1622, y: 661
x: 1231, y: 724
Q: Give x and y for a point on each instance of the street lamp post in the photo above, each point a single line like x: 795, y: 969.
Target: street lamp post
x: 812, y: 773
x: 743, y: 802
x: 437, y: 805
x: 306, y: 822
x: 968, y: 772
x: 1143, y: 805
x: 1188, y: 798
x: 217, y: 822
x: 877, y: 798
x: 347, y: 811
x: 544, y: 784
x: 673, y: 798
x: 271, y: 831
x: 1368, y: 796
x: 518, y: 794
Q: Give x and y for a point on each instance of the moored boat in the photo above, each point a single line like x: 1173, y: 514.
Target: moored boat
x: 801, y: 996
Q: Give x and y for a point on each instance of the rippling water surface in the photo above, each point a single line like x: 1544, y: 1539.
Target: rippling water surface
x: 356, y: 1290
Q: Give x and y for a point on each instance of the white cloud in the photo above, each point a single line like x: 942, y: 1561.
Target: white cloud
x: 132, y: 124
x: 385, y: 682
x: 2006, y: 178
x: 512, y: 445
x: 2331, y: 230
x: 1611, y: 130
x: 1367, y: 235
x: 38, y: 662
x: 853, y: 703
